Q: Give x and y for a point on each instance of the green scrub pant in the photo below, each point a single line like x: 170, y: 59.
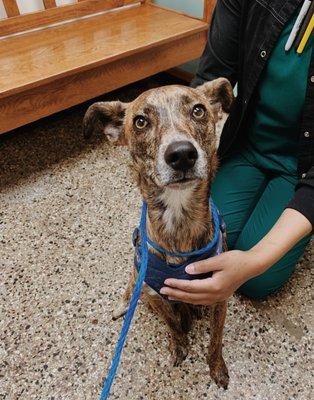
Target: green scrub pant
x: 251, y: 200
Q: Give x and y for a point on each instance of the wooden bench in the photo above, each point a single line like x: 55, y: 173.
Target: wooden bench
x: 62, y: 56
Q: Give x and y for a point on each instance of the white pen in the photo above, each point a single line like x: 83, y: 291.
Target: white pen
x: 297, y: 24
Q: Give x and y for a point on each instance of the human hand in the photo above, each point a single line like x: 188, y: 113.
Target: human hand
x: 230, y: 270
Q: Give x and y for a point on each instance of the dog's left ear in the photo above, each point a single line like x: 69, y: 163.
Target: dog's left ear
x: 219, y: 92
x: 107, y: 117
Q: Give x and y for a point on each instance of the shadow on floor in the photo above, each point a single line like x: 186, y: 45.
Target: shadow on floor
x: 37, y: 146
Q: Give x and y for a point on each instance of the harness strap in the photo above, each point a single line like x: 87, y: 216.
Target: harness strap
x: 159, y: 269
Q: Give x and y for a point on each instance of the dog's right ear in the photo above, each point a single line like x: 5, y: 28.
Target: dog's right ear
x: 219, y: 92
x: 107, y: 117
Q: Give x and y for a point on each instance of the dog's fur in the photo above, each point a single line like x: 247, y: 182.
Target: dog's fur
x: 179, y: 216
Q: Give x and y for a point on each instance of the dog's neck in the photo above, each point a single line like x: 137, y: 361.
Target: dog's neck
x: 179, y: 220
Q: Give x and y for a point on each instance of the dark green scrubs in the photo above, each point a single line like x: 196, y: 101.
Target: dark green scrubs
x: 254, y: 186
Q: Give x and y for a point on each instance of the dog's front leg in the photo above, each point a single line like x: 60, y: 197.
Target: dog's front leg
x: 218, y: 369
x: 178, y: 338
x: 123, y: 304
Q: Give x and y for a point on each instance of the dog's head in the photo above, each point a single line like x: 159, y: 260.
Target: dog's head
x: 170, y: 131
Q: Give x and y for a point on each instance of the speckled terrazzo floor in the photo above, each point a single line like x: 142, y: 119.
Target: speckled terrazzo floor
x: 67, y: 210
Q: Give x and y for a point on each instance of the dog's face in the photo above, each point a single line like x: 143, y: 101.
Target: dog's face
x: 170, y: 131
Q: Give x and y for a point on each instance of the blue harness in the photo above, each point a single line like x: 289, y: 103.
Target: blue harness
x: 153, y: 270
x: 158, y: 270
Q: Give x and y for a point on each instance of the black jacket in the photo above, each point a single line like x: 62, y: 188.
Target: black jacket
x: 241, y: 37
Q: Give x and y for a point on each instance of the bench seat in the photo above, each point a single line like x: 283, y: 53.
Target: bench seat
x: 55, y: 67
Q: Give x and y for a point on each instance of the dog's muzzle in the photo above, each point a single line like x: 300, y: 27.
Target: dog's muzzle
x: 180, y: 161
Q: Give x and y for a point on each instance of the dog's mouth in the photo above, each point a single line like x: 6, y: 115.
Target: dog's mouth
x: 182, y: 182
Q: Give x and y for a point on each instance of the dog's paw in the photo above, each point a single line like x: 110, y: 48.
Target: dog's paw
x: 120, y: 311
x: 179, y: 355
x: 219, y: 374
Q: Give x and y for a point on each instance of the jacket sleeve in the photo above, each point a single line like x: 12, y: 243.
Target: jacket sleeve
x: 303, y: 200
x: 221, y: 54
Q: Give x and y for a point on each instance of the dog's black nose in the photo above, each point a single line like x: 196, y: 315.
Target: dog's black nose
x: 181, y: 156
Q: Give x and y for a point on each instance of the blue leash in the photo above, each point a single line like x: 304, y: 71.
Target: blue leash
x: 139, y: 283
x: 129, y: 315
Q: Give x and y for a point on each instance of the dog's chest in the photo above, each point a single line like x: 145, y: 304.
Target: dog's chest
x: 177, y: 203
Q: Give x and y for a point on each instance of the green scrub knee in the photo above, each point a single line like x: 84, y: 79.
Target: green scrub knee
x: 251, y: 201
x: 275, y: 277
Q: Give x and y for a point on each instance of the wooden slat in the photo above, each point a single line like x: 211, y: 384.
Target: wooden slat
x: 128, y: 2
x: 49, y: 4
x: 11, y: 8
x: 58, y: 95
x: 124, y: 2
x: 37, y: 19
x: 48, y: 54
x: 209, y: 6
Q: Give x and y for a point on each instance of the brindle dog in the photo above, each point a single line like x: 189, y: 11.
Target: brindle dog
x: 170, y: 133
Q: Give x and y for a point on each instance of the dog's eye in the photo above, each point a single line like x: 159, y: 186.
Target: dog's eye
x: 198, y: 111
x: 140, y: 122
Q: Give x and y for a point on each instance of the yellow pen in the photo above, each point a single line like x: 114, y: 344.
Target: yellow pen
x: 306, y: 35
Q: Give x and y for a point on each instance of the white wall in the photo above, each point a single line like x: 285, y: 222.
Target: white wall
x: 2, y: 11
x: 192, y: 7
x: 26, y: 6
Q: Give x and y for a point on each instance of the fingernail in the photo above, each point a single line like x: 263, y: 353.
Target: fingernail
x: 163, y: 290
x: 190, y: 269
x: 171, y: 298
